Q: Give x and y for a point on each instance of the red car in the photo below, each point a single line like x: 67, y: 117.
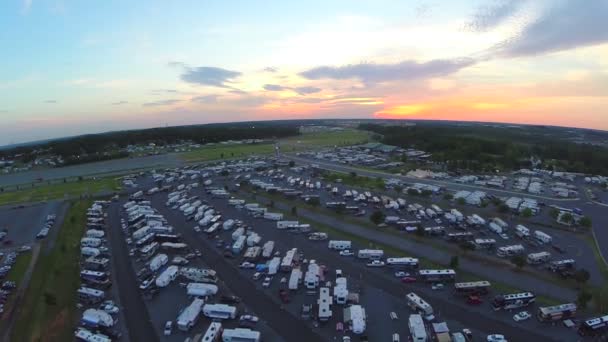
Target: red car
x: 284, y: 295
x: 408, y: 280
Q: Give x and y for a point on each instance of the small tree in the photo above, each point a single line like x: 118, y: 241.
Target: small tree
x: 398, y: 188
x: 554, y: 213
x: 271, y: 204
x: 412, y: 192
x: 567, y: 218
x: 314, y: 201
x: 447, y: 196
x: 454, y: 261
x: 527, y: 212
x: 502, y: 208
x: 353, y: 174
x: 583, y: 298
x: 461, y: 201
x: 426, y: 193
x: 292, y: 163
x: 519, y: 261
x: 294, y: 211
x: 49, y: 299
x: 581, y: 276
x: 377, y: 217
x: 585, y: 221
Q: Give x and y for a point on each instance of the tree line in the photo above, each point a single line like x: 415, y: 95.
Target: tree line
x: 480, y: 148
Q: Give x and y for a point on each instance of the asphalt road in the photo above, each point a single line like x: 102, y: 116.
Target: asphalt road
x: 90, y: 169
x: 133, y: 306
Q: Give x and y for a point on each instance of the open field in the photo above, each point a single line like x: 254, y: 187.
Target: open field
x: 296, y: 143
x: 324, y: 139
x: 46, y: 192
x: 49, y: 309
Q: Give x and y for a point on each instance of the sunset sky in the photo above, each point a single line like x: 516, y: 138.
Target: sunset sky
x: 73, y: 67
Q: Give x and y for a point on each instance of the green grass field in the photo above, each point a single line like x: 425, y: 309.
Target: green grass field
x: 48, y: 312
x: 297, y: 143
x: 45, y: 192
x: 18, y: 270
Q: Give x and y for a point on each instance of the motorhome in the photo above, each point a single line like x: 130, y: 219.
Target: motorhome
x: 82, y: 334
x: 167, y: 276
x: 312, y: 276
x: 341, y: 291
x: 201, y: 289
x: 324, y: 304
x: 90, y: 242
x: 556, y: 312
x: 594, y: 326
x: 96, y: 319
x: 417, y: 328
x: 288, y: 260
x: 90, y: 296
x: 420, y: 306
x: 200, y: 275
x: 403, y: 262
x: 339, y: 244
x: 444, y: 275
x: 190, y: 315
x: 372, y: 254
x: 273, y: 216
x: 241, y: 335
x: 513, y: 301
x: 509, y: 251
x: 317, y: 236
x: 538, y: 258
x: 355, y: 317
x: 212, y: 334
x: 267, y: 249
x: 237, y: 233
x: 96, y: 264
x: 158, y: 261
x: 273, y: 265
x: 542, y: 237
x: 239, y: 244
x: 474, y: 287
x: 294, y: 279
x: 253, y: 239
x: 286, y: 224
x: 219, y: 311
x: 228, y: 224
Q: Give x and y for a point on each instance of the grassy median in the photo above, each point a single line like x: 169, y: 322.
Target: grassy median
x: 48, y: 311
x: 43, y: 192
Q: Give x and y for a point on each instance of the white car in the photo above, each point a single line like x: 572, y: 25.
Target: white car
x: 346, y: 252
x: 401, y: 274
x: 168, y: 328
x: 393, y: 315
x: 376, y: 263
x: 438, y: 286
x: 247, y: 265
x: 521, y: 316
x: 266, y: 282
x: 109, y: 307
x: 496, y: 338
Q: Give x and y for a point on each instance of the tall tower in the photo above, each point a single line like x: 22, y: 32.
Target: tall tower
x: 277, y: 151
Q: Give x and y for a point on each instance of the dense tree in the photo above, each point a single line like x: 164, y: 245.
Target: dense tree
x: 583, y: 298
x: 454, y: 261
x: 527, y: 212
x: 585, y: 221
x: 581, y: 276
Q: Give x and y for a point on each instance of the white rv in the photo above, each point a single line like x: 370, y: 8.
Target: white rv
x: 219, y: 311
x: 167, y: 276
x: 201, y: 289
x: 339, y: 244
x: 189, y: 316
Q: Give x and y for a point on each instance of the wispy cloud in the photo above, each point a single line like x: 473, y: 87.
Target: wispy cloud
x: 306, y: 90
x: 119, y: 103
x: 274, y: 87
x: 205, y: 99
x: 50, y: 101
x: 161, y: 103
x: 206, y: 75
x: 566, y: 26
x: 300, y: 90
x: 371, y: 73
x: 487, y: 17
x: 26, y: 5
x: 270, y: 69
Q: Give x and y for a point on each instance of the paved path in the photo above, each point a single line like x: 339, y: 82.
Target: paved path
x: 24, y: 284
x: 134, y: 309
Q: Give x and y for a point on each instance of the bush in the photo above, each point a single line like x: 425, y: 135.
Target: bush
x: 583, y: 298
x: 49, y: 299
x: 527, y: 212
x: 412, y: 192
x: 448, y: 197
x: 292, y: 163
x: 581, y: 276
x: 314, y: 201
x: 461, y: 201
x: 377, y: 217
x: 585, y: 222
x: 503, y: 208
x: 519, y: 261
x: 454, y: 261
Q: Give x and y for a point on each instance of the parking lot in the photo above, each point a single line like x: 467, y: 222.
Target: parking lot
x: 381, y: 284
x: 23, y: 223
